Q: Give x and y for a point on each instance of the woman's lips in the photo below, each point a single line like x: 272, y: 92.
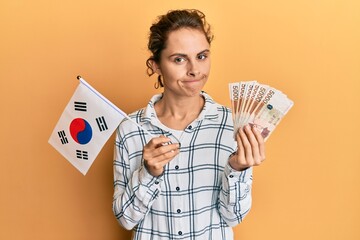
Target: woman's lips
x: 194, y: 80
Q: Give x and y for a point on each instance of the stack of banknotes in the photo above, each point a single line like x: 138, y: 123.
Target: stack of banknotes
x: 258, y: 105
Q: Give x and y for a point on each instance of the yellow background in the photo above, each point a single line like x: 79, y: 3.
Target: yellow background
x: 309, y: 186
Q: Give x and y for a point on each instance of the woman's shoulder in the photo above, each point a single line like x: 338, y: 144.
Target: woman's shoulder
x: 135, y: 116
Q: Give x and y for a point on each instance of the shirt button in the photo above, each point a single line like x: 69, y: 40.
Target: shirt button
x: 190, y: 127
x: 231, y: 176
x: 177, y: 189
x: 180, y: 232
x: 176, y: 167
x: 156, y: 182
x: 178, y: 211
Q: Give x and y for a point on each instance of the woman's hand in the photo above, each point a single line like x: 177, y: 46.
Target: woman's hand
x: 157, y: 153
x: 251, y: 149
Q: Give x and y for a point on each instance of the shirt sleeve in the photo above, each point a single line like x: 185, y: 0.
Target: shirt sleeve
x: 235, y: 195
x: 134, y: 192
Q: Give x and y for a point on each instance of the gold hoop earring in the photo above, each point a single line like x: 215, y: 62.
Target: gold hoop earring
x: 158, y: 83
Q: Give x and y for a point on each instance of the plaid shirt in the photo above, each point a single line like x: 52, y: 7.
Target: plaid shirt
x: 199, y: 196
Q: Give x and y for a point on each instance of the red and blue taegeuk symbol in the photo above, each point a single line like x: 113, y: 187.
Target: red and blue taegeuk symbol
x: 80, y: 131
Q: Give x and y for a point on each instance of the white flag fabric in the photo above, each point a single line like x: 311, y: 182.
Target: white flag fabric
x: 84, y: 127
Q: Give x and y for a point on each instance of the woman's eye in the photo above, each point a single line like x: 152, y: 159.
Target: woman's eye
x: 179, y: 60
x: 202, y: 56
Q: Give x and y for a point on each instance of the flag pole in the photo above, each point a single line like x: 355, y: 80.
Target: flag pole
x: 118, y: 110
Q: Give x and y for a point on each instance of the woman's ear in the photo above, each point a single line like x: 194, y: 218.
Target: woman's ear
x: 152, y: 67
x: 155, y: 67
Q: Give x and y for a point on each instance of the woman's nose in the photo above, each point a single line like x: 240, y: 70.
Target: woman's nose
x: 193, y: 69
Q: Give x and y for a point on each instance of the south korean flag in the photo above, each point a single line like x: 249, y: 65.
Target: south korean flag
x: 86, y: 124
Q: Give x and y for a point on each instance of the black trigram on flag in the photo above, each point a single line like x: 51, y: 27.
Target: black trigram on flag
x: 80, y: 106
x: 101, y: 123
x: 63, y: 137
x: 82, y: 154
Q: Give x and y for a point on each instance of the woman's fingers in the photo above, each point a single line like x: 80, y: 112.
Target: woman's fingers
x: 261, y: 143
x: 251, y: 148
x: 161, y: 160
x: 157, y: 142
x: 254, y: 144
x: 157, y: 153
x: 247, y: 145
x: 241, y: 159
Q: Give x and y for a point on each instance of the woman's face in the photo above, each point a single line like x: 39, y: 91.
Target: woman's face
x: 185, y: 62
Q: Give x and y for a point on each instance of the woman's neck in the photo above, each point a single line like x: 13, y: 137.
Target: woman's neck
x: 178, y: 113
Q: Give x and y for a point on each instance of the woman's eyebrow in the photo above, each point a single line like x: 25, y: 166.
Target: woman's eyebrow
x: 178, y: 55
x: 185, y: 55
x: 204, y: 51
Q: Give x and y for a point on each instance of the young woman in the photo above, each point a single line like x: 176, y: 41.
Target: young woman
x: 192, y: 181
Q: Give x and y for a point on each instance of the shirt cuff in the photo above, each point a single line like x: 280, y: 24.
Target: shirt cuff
x: 147, y: 179
x: 149, y: 187
x: 234, y: 175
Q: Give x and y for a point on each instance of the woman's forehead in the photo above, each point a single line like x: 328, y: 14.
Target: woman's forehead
x: 187, y: 41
